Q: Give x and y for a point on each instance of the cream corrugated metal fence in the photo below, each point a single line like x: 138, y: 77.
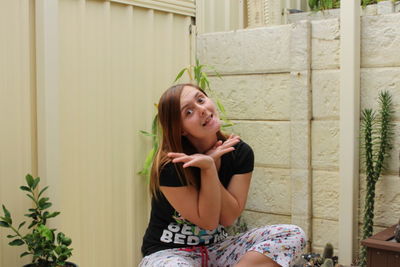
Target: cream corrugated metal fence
x: 78, y: 79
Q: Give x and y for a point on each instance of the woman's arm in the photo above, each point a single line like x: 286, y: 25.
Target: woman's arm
x: 233, y: 199
x: 201, y: 207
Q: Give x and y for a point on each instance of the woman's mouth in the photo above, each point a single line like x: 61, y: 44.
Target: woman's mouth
x: 207, y: 121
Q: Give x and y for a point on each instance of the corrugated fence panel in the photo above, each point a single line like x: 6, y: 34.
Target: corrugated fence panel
x: 16, y: 105
x: 221, y: 15
x: 228, y: 15
x: 115, y: 60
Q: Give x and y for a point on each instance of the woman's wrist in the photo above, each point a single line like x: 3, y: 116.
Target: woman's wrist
x: 210, y: 166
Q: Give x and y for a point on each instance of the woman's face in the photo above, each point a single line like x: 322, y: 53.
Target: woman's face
x: 198, y: 113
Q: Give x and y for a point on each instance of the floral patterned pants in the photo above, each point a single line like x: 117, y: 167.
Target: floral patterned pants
x: 282, y: 243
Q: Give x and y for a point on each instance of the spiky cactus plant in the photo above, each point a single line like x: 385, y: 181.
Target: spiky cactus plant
x: 377, y: 141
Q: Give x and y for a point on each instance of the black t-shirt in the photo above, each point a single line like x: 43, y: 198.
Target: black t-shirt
x: 167, y: 229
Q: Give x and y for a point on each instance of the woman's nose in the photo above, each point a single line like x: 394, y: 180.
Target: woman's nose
x: 202, y: 110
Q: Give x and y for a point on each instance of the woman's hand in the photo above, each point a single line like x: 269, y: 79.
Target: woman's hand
x: 220, y: 148
x: 201, y: 161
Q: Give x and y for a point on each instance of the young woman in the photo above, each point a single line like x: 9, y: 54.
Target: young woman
x: 199, y: 182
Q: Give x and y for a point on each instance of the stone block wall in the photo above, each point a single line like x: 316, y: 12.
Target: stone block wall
x: 280, y: 85
x: 266, y: 92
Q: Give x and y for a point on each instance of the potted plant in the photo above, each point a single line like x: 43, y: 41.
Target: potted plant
x: 46, y: 248
x: 377, y: 132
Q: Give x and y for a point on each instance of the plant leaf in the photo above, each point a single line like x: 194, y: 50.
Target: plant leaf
x: 29, y: 180
x: 7, y: 216
x: 45, y: 206
x: 54, y: 214
x: 24, y: 254
x: 33, y: 223
x: 35, y: 182
x: 146, y: 133
x: 6, y: 212
x: 4, y: 224
x: 31, y: 197
x: 180, y: 75
x: 41, y: 191
x: 25, y: 188
x: 21, y: 224
x: 16, y: 242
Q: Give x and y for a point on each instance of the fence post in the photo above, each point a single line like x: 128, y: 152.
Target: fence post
x: 349, y: 129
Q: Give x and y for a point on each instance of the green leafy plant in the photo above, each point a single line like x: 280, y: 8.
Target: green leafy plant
x: 317, y: 5
x: 377, y: 133
x: 47, y: 249
x: 198, y: 76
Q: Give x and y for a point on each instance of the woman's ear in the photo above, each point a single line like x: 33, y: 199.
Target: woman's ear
x: 184, y: 133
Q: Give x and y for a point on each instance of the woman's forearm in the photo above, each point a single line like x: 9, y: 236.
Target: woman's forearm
x: 230, y: 208
x: 209, y: 202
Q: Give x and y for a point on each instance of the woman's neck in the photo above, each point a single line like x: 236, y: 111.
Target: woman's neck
x: 205, y: 144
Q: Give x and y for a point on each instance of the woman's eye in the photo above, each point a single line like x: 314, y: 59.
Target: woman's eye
x: 201, y: 99
x: 189, y: 111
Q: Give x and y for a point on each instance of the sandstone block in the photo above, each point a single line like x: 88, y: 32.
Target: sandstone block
x: 326, y: 94
x: 257, y: 50
x: 325, y: 144
x: 375, y: 80
x: 385, y: 7
x: 325, y: 231
x: 325, y: 44
x: 325, y: 195
x: 270, y: 191
x: 269, y: 140
x: 320, y: 15
x: 304, y: 223
x: 380, y: 40
x: 387, y: 200
x: 254, y: 96
x: 301, y: 193
x: 300, y: 155
x: 300, y: 46
x: 300, y: 96
x: 257, y: 219
x: 370, y: 10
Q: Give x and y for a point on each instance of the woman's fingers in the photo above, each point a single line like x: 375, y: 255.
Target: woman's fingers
x: 217, y: 144
x: 175, y: 154
x: 223, y: 151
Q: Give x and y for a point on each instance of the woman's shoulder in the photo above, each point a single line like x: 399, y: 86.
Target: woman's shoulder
x: 242, y: 146
x: 169, y: 175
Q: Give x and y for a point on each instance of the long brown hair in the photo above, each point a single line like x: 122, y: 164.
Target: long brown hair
x: 169, y: 118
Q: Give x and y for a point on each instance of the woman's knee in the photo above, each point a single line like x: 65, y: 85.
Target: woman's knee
x: 299, y: 235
